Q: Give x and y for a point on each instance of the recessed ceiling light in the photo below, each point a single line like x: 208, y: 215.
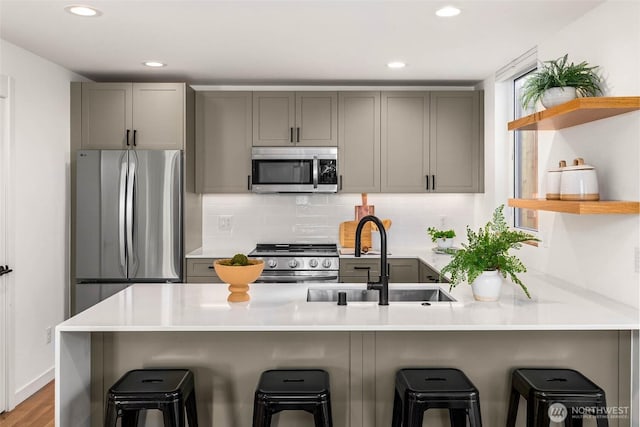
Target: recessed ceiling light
x: 154, y: 64
x: 81, y: 10
x: 396, y: 64
x: 448, y: 11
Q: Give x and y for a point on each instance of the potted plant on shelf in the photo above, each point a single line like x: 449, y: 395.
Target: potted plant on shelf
x: 238, y: 272
x: 442, y: 238
x: 484, y: 260
x: 558, y: 81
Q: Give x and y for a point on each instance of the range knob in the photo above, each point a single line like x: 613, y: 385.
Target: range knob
x: 293, y: 263
x: 326, y: 263
x: 272, y: 263
x: 313, y: 263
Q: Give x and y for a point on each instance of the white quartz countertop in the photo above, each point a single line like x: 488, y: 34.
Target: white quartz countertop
x: 283, y: 307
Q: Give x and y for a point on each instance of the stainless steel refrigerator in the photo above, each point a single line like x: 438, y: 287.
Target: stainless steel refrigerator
x: 128, y: 221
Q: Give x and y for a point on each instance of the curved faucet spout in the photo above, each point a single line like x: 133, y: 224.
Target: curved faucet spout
x: 382, y: 285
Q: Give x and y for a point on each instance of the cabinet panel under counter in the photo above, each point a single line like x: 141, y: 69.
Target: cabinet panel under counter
x: 200, y: 270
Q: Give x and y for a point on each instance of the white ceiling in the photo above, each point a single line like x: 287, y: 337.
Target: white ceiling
x: 227, y: 42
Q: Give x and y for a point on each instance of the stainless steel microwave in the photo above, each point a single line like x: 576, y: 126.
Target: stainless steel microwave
x: 294, y: 169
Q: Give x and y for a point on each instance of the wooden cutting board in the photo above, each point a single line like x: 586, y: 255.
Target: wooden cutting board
x: 364, y: 209
x: 348, y: 235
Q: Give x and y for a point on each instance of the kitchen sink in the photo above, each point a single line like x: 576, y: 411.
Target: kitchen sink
x: 430, y: 294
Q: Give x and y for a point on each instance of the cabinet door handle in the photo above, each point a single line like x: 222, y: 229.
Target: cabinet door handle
x: 357, y: 267
x: 340, y: 187
x: 134, y: 137
x: 128, y: 131
x: 5, y: 270
x: 249, y: 182
x: 427, y: 178
x: 291, y: 135
x: 211, y: 267
x: 298, y: 135
x: 433, y: 182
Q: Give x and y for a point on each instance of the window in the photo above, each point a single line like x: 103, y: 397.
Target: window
x: 525, y: 158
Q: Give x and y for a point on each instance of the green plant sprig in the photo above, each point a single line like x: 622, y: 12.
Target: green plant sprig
x: 238, y: 260
x: 487, y: 250
x: 440, y: 234
x: 558, y: 73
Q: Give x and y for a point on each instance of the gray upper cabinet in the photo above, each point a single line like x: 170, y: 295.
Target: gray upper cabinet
x: 432, y: 142
x: 158, y: 115
x: 295, y: 118
x: 456, y: 142
x: 274, y: 118
x: 405, y: 142
x: 144, y: 115
x: 223, y: 142
x: 359, y: 142
x: 106, y: 115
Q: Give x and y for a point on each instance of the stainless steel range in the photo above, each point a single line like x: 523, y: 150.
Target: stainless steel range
x: 298, y: 262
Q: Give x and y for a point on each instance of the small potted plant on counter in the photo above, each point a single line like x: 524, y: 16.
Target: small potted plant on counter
x: 558, y: 81
x: 442, y: 238
x: 238, y: 272
x: 484, y: 261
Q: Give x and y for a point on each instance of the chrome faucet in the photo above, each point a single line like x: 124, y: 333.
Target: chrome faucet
x: 382, y: 285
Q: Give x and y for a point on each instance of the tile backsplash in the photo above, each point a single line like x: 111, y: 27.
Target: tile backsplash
x: 237, y: 222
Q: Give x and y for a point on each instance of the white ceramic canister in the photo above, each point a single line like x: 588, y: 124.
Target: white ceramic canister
x: 579, y: 182
x: 553, y: 181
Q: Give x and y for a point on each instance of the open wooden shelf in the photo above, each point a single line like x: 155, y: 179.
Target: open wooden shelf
x: 579, y: 208
x: 575, y: 112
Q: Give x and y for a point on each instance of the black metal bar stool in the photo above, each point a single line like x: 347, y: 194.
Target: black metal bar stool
x: 420, y: 389
x: 542, y: 388
x: 169, y: 390
x: 295, y: 389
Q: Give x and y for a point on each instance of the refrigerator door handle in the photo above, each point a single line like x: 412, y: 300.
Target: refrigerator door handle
x: 122, y: 206
x: 129, y: 215
x: 315, y: 171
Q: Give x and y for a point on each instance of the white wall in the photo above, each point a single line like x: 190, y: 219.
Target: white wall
x: 316, y: 218
x: 593, y: 251
x: 40, y: 211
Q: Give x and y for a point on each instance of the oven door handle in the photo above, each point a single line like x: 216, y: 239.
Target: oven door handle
x: 315, y: 172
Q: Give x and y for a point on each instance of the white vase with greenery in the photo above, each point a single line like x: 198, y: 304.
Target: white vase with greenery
x: 487, y: 286
x: 558, y: 81
x: 487, y: 251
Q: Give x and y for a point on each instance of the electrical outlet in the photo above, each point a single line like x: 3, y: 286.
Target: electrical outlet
x: 636, y: 259
x: 443, y: 220
x: 47, y: 333
x: 225, y: 222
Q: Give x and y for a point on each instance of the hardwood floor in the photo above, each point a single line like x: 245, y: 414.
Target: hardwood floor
x: 36, y: 411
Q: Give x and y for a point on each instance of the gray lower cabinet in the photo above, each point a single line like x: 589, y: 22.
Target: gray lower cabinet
x: 432, y: 142
x: 358, y: 270
x: 429, y: 275
x: 401, y: 270
x: 295, y: 118
x: 148, y: 116
x: 200, y: 270
x: 359, y: 142
x: 223, y: 142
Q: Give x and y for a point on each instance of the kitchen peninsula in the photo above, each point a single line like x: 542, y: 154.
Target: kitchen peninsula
x: 360, y: 345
